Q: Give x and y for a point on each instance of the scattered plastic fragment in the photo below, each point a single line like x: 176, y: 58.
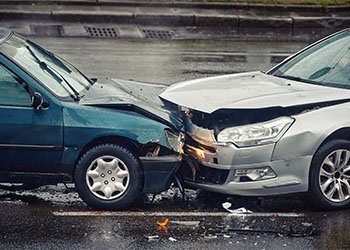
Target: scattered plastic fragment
x: 185, y: 223
x: 163, y: 225
x: 152, y: 237
x: 210, y: 237
x: 172, y: 239
x: 242, y: 210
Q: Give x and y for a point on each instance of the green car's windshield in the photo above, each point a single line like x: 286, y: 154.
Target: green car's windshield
x: 326, y: 63
x: 60, y: 77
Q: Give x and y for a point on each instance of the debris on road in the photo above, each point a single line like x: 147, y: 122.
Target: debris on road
x: 210, y: 236
x: 242, y: 210
x: 172, y: 239
x: 152, y: 237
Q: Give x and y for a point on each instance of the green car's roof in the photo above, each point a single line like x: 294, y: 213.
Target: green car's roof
x: 4, y: 34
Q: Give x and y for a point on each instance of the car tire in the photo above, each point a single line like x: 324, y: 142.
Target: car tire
x: 108, y: 177
x: 329, y: 179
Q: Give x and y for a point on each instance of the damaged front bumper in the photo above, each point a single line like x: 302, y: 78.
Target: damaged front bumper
x: 159, y: 172
x: 249, y: 171
x: 159, y: 167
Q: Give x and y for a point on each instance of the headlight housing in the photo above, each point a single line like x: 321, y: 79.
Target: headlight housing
x: 256, y: 134
x: 176, y: 142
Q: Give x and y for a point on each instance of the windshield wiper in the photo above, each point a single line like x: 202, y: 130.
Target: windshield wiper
x: 54, y: 73
x: 296, y: 78
x: 51, y: 55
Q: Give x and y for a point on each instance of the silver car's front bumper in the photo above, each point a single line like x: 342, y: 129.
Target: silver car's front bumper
x: 213, y: 167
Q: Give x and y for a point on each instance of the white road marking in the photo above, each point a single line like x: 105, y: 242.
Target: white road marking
x: 172, y: 214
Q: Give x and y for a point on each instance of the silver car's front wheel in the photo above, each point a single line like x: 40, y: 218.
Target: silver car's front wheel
x: 329, y: 181
x: 107, y: 177
x: 334, y: 176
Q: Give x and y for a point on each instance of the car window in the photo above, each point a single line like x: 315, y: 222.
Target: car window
x: 327, y: 62
x: 12, y: 89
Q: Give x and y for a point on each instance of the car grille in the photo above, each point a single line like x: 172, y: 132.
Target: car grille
x: 211, y: 175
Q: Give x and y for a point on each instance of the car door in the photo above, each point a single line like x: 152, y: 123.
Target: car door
x: 30, y: 140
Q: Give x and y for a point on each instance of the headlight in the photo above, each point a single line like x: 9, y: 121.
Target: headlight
x: 176, y: 142
x: 256, y: 134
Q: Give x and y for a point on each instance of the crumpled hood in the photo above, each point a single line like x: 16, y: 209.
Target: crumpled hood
x: 253, y: 90
x: 131, y: 95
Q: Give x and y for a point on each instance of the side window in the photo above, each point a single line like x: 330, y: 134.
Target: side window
x: 12, y: 89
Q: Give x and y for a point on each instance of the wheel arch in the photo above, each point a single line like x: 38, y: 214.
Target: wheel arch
x: 133, y: 146
x: 342, y: 133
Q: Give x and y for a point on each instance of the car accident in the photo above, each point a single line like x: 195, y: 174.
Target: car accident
x: 255, y: 134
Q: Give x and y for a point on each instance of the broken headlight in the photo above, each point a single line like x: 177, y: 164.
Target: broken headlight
x: 176, y: 142
x: 256, y: 134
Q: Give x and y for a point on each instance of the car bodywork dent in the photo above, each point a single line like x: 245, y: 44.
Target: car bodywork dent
x: 223, y: 118
x: 158, y: 139
x: 133, y: 96
x: 212, y: 165
x: 253, y: 90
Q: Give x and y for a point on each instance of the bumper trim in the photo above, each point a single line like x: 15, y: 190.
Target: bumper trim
x: 159, y: 172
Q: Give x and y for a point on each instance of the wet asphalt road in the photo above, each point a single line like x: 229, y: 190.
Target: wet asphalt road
x: 53, y: 217
x: 166, y: 62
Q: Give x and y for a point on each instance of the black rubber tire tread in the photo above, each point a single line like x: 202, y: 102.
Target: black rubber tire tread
x: 315, y: 196
x: 136, y: 177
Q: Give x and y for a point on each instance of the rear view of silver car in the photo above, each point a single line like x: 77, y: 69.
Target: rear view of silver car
x: 280, y: 132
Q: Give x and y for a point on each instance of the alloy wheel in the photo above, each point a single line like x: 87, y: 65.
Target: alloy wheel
x: 334, y: 176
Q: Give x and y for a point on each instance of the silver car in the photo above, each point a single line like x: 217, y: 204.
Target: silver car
x: 280, y: 132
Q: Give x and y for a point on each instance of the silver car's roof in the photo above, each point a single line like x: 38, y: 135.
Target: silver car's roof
x: 4, y: 34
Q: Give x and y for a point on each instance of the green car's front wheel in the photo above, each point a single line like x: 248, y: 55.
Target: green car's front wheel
x: 108, y: 177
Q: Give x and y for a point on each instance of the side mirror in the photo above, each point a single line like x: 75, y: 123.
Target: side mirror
x: 38, y: 101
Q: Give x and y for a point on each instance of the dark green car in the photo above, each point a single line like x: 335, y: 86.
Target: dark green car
x: 114, y: 139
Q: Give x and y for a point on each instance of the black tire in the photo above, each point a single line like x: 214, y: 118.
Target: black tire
x: 132, y: 183
x: 316, y: 196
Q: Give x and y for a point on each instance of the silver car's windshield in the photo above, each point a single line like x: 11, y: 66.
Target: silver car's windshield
x: 326, y: 63
x: 57, y: 75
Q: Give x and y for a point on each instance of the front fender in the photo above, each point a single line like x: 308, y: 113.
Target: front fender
x: 309, y: 131
x: 85, y: 124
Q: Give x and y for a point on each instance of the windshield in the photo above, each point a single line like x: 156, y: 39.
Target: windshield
x: 326, y: 63
x: 57, y: 75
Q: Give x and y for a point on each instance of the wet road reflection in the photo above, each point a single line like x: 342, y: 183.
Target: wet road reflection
x: 54, y: 217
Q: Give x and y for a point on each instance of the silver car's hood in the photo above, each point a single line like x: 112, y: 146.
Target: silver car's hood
x: 251, y: 90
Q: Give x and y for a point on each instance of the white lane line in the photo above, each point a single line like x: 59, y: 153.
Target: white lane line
x: 174, y: 214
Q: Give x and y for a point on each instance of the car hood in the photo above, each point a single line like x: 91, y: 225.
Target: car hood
x: 253, y: 90
x: 135, y: 96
